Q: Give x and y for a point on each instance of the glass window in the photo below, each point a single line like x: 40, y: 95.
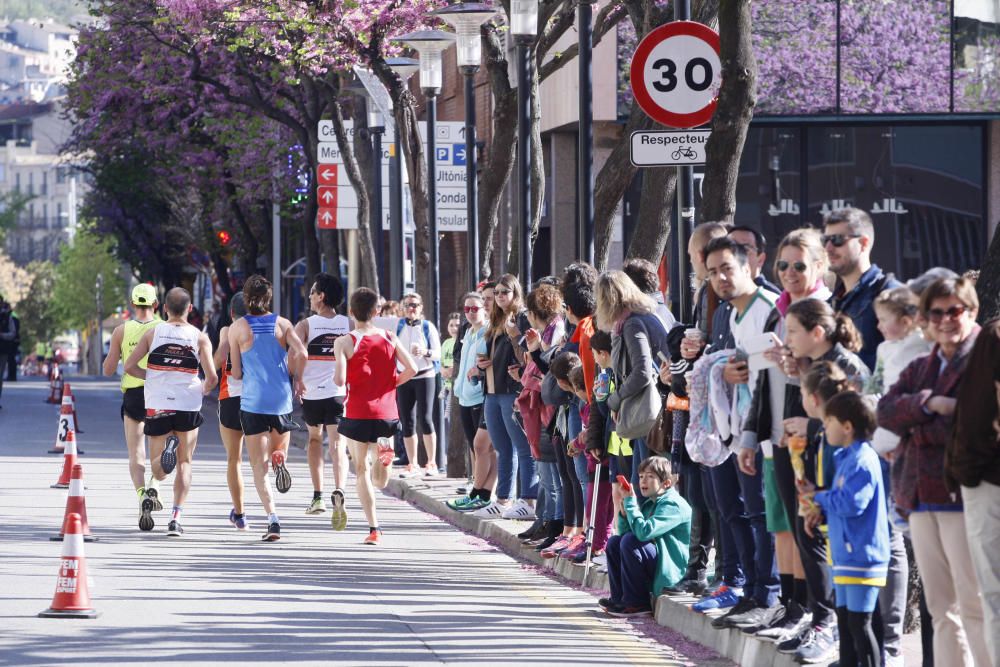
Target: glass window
x: 977, y: 55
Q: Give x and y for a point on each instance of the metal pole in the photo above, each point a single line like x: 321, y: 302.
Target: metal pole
x: 98, y: 338
x: 276, y: 256
x: 524, y: 161
x: 685, y: 201
x: 471, y: 189
x: 435, y: 295
x: 395, y: 220
x: 585, y: 134
x: 376, y: 207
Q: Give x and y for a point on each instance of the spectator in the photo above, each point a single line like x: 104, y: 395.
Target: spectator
x: 643, y: 274
x: 574, y: 484
x: 920, y: 408
x: 580, y: 305
x: 416, y: 397
x: 8, y: 334
x: 756, y: 246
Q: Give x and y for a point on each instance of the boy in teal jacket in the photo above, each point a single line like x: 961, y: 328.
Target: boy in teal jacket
x: 650, y: 551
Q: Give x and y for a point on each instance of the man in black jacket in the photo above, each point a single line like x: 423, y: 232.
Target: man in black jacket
x: 8, y: 338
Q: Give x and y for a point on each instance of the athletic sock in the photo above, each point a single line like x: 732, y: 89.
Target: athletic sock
x: 141, y: 491
x: 787, y: 587
x: 317, y: 495
x: 485, y: 494
x: 272, y: 518
x: 176, y: 516
x: 800, y: 592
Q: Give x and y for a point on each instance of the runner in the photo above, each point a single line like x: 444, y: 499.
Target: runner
x: 229, y: 415
x: 366, y: 365
x: 262, y: 347
x: 323, y: 401
x: 133, y: 413
x: 173, y: 396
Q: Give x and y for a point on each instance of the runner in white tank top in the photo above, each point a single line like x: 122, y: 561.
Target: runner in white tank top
x: 323, y: 400
x: 173, y: 396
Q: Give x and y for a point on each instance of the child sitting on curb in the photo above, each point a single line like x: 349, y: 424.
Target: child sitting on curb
x: 650, y: 551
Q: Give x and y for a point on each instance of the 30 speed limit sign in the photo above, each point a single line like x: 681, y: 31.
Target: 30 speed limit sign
x: 676, y: 73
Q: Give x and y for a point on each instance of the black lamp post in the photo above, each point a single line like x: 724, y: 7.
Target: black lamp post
x: 467, y: 18
x: 523, y: 21
x: 585, y: 146
x: 404, y: 68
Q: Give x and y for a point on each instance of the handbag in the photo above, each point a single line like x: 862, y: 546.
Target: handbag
x: 660, y: 436
x: 638, y: 413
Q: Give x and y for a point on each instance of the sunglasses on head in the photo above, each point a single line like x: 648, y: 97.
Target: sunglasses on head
x: 938, y: 314
x: 838, y: 240
x: 473, y: 309
x: 782, y: 265
x: 501, y: 290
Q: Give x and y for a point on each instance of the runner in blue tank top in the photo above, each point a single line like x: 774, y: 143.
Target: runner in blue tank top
x: 264, y: 348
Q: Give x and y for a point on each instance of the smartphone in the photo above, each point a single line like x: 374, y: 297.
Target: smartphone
x: 624, y: 483
x: 662, y: 357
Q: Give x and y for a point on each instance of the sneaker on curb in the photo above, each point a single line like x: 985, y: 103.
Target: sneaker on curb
x: 174, y: 529
x: 239, y: 522
x: 146, y: 522
x: 386, y: 452
x: 546, y: 542
x: 273, y: 533
x: 581, y: 557
x: 459, y: 504
x: 745, y: 604
x: 491, y: 511
x: 154, y: 495
x: 520, y: 510
x: 409, y: 471
x: 432, y: 471
x: 606, y: 603
x: 794, y: 622
x: 791, y: 642
x: 317, y: 506
x: 168, y: 459
x: 374, y: 537
x: 723, y: 598
x: 556, y: 547
x: 759, y: 617
x: 466, y: 488
x: 572, y: 552
x: 629, y: 612
x: 531, y: 532
x: 338, y: 516
x: 282, y: 478
x: 476, y: 504
x: 820, y: 646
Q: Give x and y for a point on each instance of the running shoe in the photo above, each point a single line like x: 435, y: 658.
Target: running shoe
x: 723, y: 598
x: 577, y: 548
x: 273, y: 533
x: 581, y: 557
x: 736, y: 612
x: 386, y: 452
x: 317, y: 506
x: 561, y: 544
x: 520, y: 510
x: 432, y: 471
x: 820, y: 647
x: 491, y: 511
x: 465, y: 489
x: 476, y: 504
x: 795, y: 620
x: 282, y: 478
x: 168, y: 459
x: 408, y: 471
x: 607, y: 603
x: 374, y: 537
x: 146, y: 518
x: 460, y: 504
x: 174, y: 529
x: 338, y: 517
x: 629, y: 612
x: 239, y: 522
x: 154, y: 495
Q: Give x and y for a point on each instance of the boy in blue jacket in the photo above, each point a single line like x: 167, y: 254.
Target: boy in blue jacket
x: 855, y: 511
x: 650, y: 551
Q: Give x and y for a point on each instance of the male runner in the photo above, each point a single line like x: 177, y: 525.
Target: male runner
x: 366, y: 364
x: 263, y: 347
x: 123, y: 340
x: 229, y: 415
x: 323, y: 400
x: 173, y: 396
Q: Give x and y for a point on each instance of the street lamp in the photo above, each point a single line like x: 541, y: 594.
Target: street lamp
x: 585, y: 133
x: 429, y: 44
x: 523, y: 21
x: 404, y: 68
x: 467, y: 18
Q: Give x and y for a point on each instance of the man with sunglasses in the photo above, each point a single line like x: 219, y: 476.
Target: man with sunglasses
x: 848, y: 237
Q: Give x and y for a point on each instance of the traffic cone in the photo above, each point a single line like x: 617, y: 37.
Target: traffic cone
x: 76, y: 503
x: 55, y: 384
x: 65, y: 425
x: 71, y: 599
x: 68, y: 391
x: 69, y: 460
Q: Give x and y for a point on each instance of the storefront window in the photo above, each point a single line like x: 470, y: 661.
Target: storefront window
x: 977, y: 55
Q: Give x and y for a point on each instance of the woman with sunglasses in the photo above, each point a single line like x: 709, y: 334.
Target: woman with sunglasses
x: 416, y: 398
x: 800, y: 267
x: 500, y: 357
x: 920, y: 408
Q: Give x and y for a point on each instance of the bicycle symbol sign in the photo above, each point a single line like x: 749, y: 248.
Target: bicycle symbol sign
x: 676, y: 74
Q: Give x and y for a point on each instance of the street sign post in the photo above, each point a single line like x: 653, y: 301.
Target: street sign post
x: 658, y: 148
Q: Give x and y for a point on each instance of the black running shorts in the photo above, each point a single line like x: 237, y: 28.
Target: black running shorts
x: 134, y: 404
x: 323, y: 412
x: 162, y: 422
x: 229, y: 413
x: 368, y: 430
x: 255, y: 423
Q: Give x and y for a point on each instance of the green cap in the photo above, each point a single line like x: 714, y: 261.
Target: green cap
x: 143, y: 294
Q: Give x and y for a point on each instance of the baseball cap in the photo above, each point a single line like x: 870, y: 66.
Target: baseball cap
x: 143, y: 294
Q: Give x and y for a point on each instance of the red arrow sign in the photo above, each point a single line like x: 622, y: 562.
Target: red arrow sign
x: 327, y: 174
x: 327, y: 197
x: 326, y: 218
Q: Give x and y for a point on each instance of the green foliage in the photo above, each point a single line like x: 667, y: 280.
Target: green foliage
x: 60, y: 10
x: 11, y: 205
x: 38, y: 319
x: 74, y: 301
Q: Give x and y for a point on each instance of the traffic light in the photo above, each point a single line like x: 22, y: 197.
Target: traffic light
x: 223, y: 237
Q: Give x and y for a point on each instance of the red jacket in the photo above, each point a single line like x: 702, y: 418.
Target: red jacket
x: 918, y: 471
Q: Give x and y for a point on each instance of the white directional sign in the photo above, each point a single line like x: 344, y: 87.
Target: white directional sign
x: 666, y: 148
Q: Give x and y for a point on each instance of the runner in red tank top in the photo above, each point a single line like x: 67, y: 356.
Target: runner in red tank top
x: 366, y: 365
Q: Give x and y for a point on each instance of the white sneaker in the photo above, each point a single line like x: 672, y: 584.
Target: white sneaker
x: 410, y: 471
x: 520, y: 510
x: 432, y: 471
x: 491, y: 511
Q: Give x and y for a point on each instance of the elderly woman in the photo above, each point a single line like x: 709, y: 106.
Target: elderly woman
x: 920, y: 408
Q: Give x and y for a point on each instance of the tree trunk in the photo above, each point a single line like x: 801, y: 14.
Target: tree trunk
x: 731, y: 121
x: 308, y: 221
x: 363, y: 158
x: 649, y: 239
x: 988, y: 285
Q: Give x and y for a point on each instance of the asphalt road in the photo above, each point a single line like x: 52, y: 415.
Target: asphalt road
x: 428, y: 595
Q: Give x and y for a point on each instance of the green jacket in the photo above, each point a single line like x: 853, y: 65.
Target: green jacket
x: 666, y: 522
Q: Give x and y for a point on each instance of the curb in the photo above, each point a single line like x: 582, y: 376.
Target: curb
x: 673, y: 612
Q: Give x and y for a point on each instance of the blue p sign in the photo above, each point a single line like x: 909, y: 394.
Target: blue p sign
x: 443, y: 154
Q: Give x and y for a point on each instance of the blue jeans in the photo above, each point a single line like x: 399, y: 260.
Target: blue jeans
x: 734, y: 526
x: 511, y: 445
x: 550, y: 485
x: 631, y: 569
x: 766, y: 584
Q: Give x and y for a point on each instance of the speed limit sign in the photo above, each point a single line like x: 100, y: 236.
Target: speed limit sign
x: 676, y: 73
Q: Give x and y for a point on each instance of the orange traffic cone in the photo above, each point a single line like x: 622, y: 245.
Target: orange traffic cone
x: 76, y: 503
x: 69, y: 460
x: 68, y: 392
x: 72, y: 600
x: 65, y: 426
x: 55, y: 383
